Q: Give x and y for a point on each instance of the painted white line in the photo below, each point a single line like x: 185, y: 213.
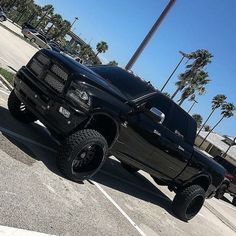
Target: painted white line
x: 119, y: 208
x: 13, y: 134
x: 4, y: 92
x: 133, y: 184
x: 4, y: 60
x: 3, y: 100
x: 9, y: 231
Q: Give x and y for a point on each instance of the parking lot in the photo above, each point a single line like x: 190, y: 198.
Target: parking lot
x: 35, y: 197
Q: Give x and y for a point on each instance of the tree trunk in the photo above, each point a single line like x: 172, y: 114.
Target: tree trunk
x: 206, y: 121
x: 175, y: 93
x: 211, y: 131
x: 194, y: 102
x: 167, y: 81
x: 96, y: 54
x: 181, y: 101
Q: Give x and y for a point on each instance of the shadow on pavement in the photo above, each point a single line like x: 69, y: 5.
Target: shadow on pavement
x: 112, y: 174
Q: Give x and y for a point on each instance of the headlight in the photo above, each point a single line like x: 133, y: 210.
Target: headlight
x: 80, y: 96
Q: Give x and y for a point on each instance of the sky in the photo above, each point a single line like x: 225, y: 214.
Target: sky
x: 191, y: 25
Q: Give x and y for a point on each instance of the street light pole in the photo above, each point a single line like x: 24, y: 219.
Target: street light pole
x: 194, y: 102
x: 149, y: 35
x: 167, y: 81
x: 76, y: 18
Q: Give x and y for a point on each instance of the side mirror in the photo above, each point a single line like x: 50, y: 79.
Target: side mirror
x: 158, y: 115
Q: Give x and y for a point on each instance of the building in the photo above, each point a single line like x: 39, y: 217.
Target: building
x: 216, y: 144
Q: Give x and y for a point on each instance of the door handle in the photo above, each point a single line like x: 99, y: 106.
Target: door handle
x: 156, y: 132
x: 181, y: 148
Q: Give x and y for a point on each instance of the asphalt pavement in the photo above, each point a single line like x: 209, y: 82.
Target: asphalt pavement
x: 36, y: 197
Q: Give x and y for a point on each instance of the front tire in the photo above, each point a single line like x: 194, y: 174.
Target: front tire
x: 82, y: 154
x: 221, y: 191
x: 18, y: 110
x: 188, y: 202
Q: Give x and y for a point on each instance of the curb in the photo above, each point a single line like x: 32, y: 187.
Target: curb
x: 6, y: 83
x: 220, y: 216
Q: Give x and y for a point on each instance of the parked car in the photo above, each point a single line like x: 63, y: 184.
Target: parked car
x: 98, y: 110
x: 55, y: 46
x: 229, y: 185
x: 35, y: 37
x: 3, y: 16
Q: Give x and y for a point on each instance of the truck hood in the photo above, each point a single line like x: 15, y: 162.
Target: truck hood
x: 87, y: 75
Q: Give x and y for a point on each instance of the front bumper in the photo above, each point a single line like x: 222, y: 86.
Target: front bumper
x: 45, y: 104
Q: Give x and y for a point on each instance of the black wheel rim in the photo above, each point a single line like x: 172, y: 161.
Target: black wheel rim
x: 86, y: 159
x: 194, y: 206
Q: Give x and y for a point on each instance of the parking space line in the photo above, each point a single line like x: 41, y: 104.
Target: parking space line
x: 13, y: 134
x: 119, y: 208
x: 7, y: 231
x: 4, y: 92
x: 3, y: 100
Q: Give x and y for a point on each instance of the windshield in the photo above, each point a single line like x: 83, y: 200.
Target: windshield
x: 130, y: 85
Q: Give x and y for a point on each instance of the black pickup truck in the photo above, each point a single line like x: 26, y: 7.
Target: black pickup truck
x: 98, y: 110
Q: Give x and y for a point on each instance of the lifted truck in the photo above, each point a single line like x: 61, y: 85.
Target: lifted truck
x: 98, y: 110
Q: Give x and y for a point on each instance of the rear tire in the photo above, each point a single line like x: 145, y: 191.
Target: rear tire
x: 18, y: 110
x: 82, y: 154
x: 221, y: 191
x: 129, y: 168
x: 188, y: 202
x: 234, y: 201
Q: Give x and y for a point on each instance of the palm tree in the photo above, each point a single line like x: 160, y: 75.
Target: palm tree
x: 46, y: 10
x: 198, y: 119
x: 196, y: 84
x: 201, y: 58
x: 207, y: 128
x: 101, y: 47
x: 85, y: 51
x: 216, y: 103
x: 56, y: 19
x: 227, y: 112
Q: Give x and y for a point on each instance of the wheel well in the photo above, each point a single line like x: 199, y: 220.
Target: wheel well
x: 105, y: 126
x: 202, y: 181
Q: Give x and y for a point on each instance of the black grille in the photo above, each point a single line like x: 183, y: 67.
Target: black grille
x: 54, y: 75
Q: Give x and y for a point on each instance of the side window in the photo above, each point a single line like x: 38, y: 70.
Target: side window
x: 42, y: 38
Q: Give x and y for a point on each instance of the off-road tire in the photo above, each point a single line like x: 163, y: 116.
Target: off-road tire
x: 71, y: 148
x: 18, y: 110
x: 188, y: 202
x: 234, y: 201
x: 129, y: 168
x: 221, y: 191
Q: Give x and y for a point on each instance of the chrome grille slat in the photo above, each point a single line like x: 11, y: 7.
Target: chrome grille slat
x: 52, y: 75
